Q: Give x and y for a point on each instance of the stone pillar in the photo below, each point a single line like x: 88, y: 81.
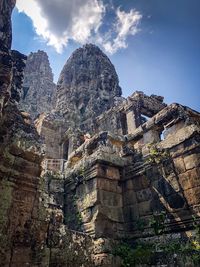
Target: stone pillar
x: 109, y: 220
x: 73, y: 144
x: 152, y: 136
x: 133, y: 117
x: 95, y: 196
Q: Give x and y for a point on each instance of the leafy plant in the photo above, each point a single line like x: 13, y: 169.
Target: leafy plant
x: 157, y: 155
x: 140, y: 254
x: 158, y: 222
x: 196, y: 225
x: 151, y: 253
x: 140, y: 223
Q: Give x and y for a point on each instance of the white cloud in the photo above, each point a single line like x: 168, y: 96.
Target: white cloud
x: 59, y: 21
x: 125, y: 25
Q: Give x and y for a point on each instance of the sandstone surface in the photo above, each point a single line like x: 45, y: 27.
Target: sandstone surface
x: 38, y: 91
x: 88, y: 86
x: 134, y: 179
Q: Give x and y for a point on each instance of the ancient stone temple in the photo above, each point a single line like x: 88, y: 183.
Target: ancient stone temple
x: 38, y: 91
x: 87, y: 77
x: 96, y: 179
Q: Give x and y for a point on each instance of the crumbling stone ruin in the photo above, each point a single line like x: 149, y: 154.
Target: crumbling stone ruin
x: 38, y: 91
x: 97, y: 179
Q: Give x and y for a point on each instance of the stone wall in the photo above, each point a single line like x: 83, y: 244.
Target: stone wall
x: 128, y: 115
x: 119, y: 120
x: 20, y: 154
x: 66, y: 212
x: 163, y: 173
x: 50, y: 131
x: 139, y: 182
x: 121, y: 187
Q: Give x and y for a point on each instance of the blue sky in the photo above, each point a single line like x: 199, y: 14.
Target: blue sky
x: 154, y: 44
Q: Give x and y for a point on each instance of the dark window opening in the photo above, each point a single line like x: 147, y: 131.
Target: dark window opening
x: 124, y: 123
x: 65, y: 149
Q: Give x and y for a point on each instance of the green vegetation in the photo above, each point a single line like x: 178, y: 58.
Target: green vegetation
x: 73, y: 216
x: 157, y: 155
x: 138, y: 254
x: 171, y: 251
x: 80, y: 175
x: 158, y: 222
x: 52, y: 175
x: 141, y: 223
x: 43, y: 213
x: 196, y: 225
x: 151, y: 253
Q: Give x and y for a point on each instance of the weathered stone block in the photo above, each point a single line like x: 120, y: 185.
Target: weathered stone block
x: 129, y: 197
x: 106, y: 260
x: 105, y: 227
x: 108, y: 185
x: 56, y: 186
x: 109, y: 198
x: 114, y: 214
x: 86, y: 201
x: 90, y: 185
x: 4, y: 172
x: 151, y: 136
x: 176, y: 140
x: 120, y: 228
x: 89, y: 228
x: 131, y: 213
x: 86, y: 215
x: 173, y: 129
x: 109, y: 172
x: 102, y: 245
x: 131, y: 121
x: 152, y: 173
x: 192, y: 161
x: 140, y: 182
x: 80, y: 190
x: 192, y: 195
x: 144, y: 208
x: 27, y: 167
x: 145, y: 150
x: 128, y: 185
x: 190, y: 179
x: 179, y: 165
x: 144, y: 195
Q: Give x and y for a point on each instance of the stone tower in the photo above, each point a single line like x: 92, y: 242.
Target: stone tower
x: 87, y: 87
x: 38, y: 87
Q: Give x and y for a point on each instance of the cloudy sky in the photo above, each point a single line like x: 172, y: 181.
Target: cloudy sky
x: 154, y: 44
